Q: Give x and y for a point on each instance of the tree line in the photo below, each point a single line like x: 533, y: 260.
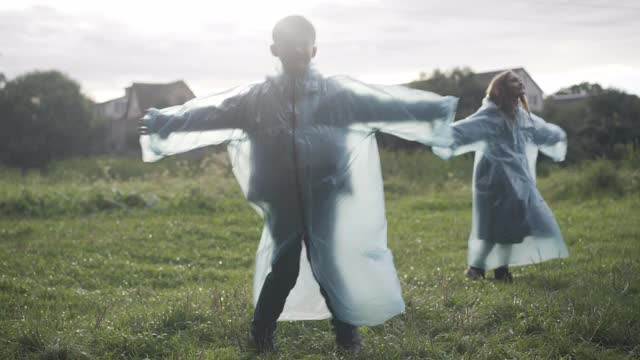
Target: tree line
x: 44, y: 116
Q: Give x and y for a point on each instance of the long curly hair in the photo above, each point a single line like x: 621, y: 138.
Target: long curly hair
x: 507, y: 102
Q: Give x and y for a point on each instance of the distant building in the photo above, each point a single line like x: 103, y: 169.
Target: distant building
x: 113, y: 109
x: 125, y: 111
x: 535, y: 95
x: 570, y: 100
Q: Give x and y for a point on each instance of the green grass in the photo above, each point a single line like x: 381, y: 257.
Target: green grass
x: 110, y: 258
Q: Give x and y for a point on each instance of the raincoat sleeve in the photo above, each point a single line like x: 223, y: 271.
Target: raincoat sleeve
x: 411, y: 114
x: 550, y: 138
x: 199, y: 122
x: 470, y: 134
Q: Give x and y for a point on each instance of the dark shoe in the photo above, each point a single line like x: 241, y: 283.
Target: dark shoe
x: 347, y: 337
x: 261, y: 337
x: 502, y: 274
x: 474, y: 273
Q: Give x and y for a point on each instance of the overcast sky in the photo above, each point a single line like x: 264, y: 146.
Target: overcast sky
x: 214, y: 45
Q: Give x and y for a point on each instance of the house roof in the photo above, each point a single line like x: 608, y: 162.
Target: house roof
x: 565, y: 97
x: 485, y: 77
x: 154, y: 95
x: 123, y: 98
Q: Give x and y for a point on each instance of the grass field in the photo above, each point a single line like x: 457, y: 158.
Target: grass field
x: 110, y: 258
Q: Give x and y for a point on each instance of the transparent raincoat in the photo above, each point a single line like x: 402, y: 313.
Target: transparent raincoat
x: 512, y: 224
x: 305, y: 155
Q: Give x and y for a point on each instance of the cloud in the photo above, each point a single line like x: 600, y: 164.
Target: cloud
x: 103, y: 52
x: 214, y: 48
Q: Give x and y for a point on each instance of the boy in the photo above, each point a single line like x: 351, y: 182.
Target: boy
x: 303, y: 149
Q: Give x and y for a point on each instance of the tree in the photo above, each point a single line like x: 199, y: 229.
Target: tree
x: 582, y: 88
x: 459, y: 82
x: 603, y: 124
x: 45, y: 117
x: 613, y: 122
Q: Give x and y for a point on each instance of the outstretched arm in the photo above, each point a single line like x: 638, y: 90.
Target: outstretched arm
x: 550, y: 138
x: 407, y: 113
x: 199, y: 122
x: 470, y: 134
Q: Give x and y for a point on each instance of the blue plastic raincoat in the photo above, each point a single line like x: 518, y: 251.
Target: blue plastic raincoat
x: 305, y: 155
x: 512, y: 224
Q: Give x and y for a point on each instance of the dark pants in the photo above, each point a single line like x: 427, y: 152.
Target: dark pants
x: 282, y: 278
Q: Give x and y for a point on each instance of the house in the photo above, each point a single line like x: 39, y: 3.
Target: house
x: 112, y: 109
x: 123, y: 113
x: 575, y: 96
x: 535, y: 95
x: 571, y: 99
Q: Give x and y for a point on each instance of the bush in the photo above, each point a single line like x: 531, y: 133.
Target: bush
x: 602, y: 177
x: 599, y: 178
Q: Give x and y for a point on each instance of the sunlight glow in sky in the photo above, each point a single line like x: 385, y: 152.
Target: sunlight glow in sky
x: 216, y: 45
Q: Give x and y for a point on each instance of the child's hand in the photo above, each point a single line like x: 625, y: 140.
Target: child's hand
x: 142, y: 128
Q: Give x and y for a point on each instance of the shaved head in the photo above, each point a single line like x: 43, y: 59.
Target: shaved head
x: 293, y: 26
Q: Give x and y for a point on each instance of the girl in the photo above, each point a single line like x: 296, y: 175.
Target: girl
x: 512, y: 224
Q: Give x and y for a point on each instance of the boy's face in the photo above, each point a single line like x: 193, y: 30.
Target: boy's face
x: 295, y: 53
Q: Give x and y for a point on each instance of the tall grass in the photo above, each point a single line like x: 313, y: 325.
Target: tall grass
x: 111, y: 258
x: 80, y: 186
